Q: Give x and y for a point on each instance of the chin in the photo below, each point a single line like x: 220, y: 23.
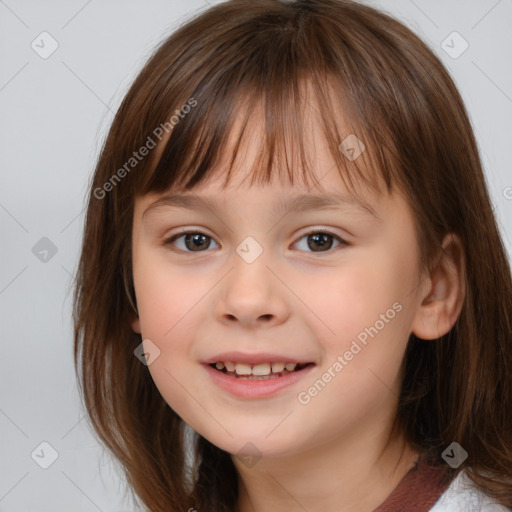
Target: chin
x: 254, y: 447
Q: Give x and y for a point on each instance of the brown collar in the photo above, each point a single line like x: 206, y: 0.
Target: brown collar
x: 418, y: 490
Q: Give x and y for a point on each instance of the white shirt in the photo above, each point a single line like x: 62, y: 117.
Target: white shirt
x: 463, y: 496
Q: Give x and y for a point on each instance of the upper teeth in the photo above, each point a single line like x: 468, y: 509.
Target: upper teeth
x: 255, y: 369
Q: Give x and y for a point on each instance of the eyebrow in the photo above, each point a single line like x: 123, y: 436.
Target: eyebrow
x: 300, y: 203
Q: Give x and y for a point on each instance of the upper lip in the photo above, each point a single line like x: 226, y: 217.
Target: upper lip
x: 241, y: 357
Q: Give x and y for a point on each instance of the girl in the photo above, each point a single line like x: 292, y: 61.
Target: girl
x: 335, y: 337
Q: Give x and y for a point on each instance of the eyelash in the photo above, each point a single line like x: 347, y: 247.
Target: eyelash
x: 173, y: 238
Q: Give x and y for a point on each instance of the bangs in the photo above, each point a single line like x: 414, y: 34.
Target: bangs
x: 291, y: 90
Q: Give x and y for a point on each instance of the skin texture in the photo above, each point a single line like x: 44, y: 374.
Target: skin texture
x: 331, y: 453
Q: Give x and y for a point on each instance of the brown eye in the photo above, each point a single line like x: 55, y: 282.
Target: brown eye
x: 193, y: 241
x: 320, y: 241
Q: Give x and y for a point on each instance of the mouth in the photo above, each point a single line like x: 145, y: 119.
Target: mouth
x: 262, y: 371
x: 256, y: 381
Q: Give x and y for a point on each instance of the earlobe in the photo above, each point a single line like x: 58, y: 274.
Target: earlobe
x: 136, y: 325
x: 441, y: 306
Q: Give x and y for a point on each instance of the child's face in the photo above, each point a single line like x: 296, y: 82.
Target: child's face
x: 300, y: 299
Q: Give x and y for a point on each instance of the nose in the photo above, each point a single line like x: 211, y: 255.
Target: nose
x: 252, y: 296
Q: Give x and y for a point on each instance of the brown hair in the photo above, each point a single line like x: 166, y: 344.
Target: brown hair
x: 401, y: 102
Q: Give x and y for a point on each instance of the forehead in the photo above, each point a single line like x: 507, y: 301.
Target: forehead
x: 302, y: 138
x: 308, y: 158
x: 290, y: 150
x: 236, y: 194
x: 274, y: 198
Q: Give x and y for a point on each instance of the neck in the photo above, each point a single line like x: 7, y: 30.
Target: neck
x: 340, y: 477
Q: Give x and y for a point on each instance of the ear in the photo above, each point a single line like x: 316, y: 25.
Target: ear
x: 136, y: 324
x: 130, y: 293
x: 442, y: 303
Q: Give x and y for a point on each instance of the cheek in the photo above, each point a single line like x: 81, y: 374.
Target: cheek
x: 165, y: 295
x: 366, y: 309
x: 166, y: 302
x: 354, y: 298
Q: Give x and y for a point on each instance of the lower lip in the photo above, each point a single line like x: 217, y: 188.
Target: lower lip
x: 247, y: 388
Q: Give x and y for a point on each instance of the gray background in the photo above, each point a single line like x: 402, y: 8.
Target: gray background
x: 55, y: 112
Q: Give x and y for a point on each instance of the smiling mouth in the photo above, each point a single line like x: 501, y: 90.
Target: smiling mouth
x: 271, y: 375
